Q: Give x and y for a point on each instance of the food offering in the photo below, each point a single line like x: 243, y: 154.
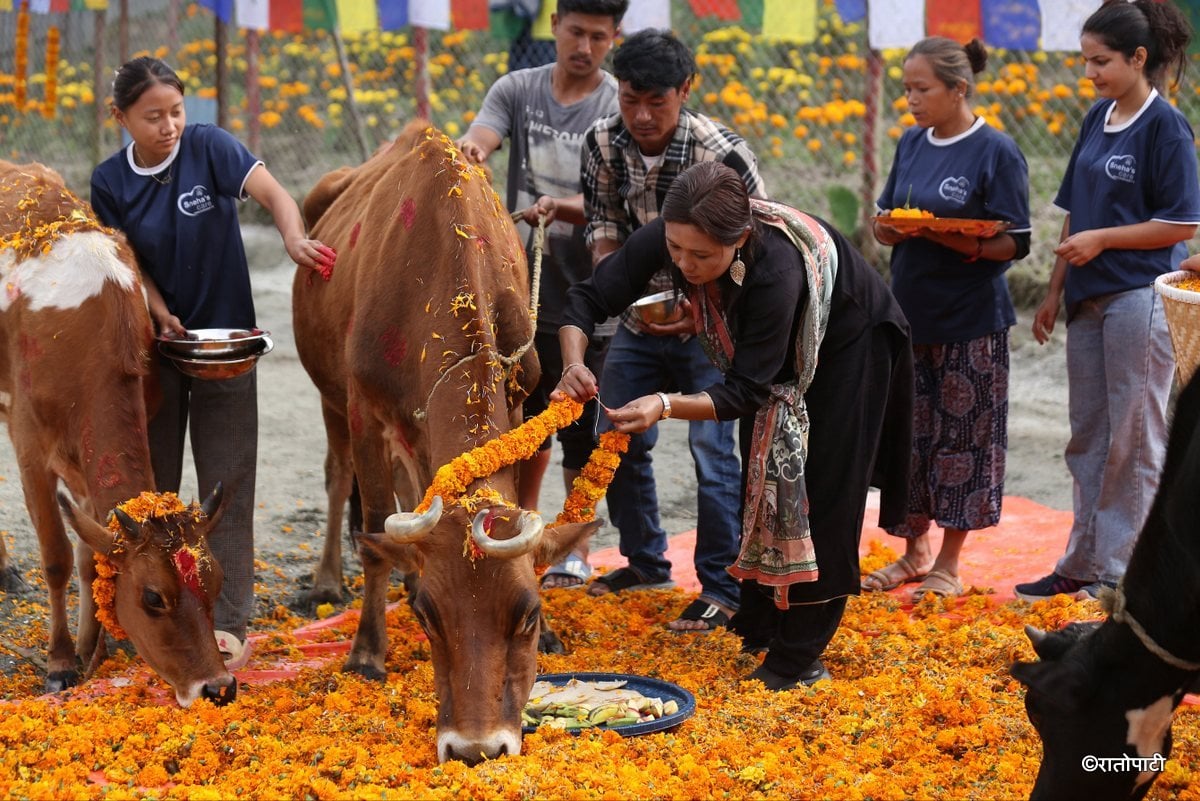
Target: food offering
x: 916, y: 220
x: 624, y: 703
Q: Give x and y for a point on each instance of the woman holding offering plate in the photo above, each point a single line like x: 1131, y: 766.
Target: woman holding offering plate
x: 951, y: 286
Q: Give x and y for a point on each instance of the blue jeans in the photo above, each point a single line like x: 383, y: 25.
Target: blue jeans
x: 639, y: 365
x: 1119, y: 369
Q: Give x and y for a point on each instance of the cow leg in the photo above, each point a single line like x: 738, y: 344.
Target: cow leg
x: 57, y: 563
x: 87, y: 633
x: 11, y: 580
x: 327, y: 581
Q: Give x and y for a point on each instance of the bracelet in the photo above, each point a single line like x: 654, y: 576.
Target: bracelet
x: 666, y: 402
x: 567, y: 369
x: 978, y: 251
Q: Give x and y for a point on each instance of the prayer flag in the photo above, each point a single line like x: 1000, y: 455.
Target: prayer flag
x: 469, y: 15
x: 6, y: 5
x: 393, y: 14
x: 254, y: 14
x: 222, y: 8
x: 955, y: 19
x: 542, y: 24
x: 852, y: 10
x: 721, y: 9
x: 895, y: 23
x: 319, y: 15
x: 752, y: 14
x: 355, y: 16
x: 1012, y: 24
x: 1062, y: 20
x: 286, y: 15
x: 48, y: 6
x: 429, y: 14
x: 794, y: 20
x: 646, y: 14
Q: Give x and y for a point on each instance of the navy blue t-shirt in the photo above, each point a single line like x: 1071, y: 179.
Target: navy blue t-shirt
x: 1138, y: 171
x: 185, y: 232
x: 979, y: 174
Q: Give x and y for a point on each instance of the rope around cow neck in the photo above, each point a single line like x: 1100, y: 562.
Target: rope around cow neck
x: 509, y: 361
x: 1113, y: 602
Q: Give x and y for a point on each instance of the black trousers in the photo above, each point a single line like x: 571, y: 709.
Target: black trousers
x: 794, y: 637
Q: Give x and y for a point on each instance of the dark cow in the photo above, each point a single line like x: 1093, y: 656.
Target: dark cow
x: 418, y: 343
x: 1103, y: 696
x: 75, y: 336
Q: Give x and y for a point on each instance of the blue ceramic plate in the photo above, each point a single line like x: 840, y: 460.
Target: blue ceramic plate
x: 651, y: 688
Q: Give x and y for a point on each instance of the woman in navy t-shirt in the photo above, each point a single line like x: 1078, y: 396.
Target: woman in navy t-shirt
x: 1132, y: 200
x: 174, y: 192
x: 953, y: 291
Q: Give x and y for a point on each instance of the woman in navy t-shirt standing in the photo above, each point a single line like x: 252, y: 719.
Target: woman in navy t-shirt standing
x: 174, y: 192
x: 952, y: 288
x: 1132, y: 201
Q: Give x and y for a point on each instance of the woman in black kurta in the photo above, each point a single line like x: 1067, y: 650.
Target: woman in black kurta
x: 805, y: 332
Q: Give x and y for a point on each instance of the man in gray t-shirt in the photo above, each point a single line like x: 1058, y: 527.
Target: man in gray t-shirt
x: 544, y: 112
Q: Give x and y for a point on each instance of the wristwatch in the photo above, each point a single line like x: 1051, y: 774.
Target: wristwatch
x: 666, y: 402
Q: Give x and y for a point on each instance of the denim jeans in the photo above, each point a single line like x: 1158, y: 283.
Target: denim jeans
x: 1119, y: 369
x: 641, y: 364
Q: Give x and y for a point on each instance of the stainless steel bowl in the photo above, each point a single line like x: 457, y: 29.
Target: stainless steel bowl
x: 220, y: 369
x: 215, y: 343
x: 661, y: 307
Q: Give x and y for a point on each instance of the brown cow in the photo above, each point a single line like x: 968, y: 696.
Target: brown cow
x: 75, y: 335
x: 413, y: 344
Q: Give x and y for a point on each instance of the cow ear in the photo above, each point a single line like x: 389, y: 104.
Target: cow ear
x: 558, y: 541
x: 404, y: 556
x: 1065, y: 685
x: 97, y: 537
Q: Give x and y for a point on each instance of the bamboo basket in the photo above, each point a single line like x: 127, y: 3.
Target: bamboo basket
x: 1182, y: 307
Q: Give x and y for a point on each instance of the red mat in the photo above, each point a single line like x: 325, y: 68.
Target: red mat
x: 1024, y: 547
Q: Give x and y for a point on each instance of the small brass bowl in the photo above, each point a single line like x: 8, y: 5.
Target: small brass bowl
x: 215, y: 343
x: 210, y: 369
x: 660, y: 308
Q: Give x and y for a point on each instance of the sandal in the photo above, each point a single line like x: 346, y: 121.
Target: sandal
x: 234, y: 652
x: 939, y: 584
x: 712, y: 616
x: 572, y: 566
x: 884, y: 578
x: 625, y: 578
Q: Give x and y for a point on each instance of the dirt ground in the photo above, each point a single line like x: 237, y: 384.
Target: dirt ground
x: 291, y: 499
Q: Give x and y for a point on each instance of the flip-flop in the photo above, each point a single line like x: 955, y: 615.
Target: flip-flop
x: 622, y: 579
x: 705, y: 611
x: 571, y: 566
x: 884, y: 582
x: 939, y: 584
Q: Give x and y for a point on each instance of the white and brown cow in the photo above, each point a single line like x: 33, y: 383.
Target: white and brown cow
x: 416, y: 345
x: 1102, y: 696
x: 75, y: 335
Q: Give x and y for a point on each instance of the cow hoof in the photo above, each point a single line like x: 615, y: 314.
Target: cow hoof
x: 61, y: 680
x: 549, y: 643
x: 12, y: 582
x: 310, y: 599
x: 366, y: 671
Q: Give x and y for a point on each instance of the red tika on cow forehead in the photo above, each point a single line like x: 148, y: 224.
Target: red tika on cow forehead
x: 187, y: 564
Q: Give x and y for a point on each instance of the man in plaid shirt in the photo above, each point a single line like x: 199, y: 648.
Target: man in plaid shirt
x: 629, y: 162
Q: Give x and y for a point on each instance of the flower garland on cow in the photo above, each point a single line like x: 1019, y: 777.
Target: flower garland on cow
x: 145, y: 506
x: 31, y: 240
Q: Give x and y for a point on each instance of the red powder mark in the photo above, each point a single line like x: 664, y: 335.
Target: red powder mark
x: 356, y: 421
x: 481, y: 242
x: 408, y: 213
x: 404, y: 442
x: 31, y: 349
x: 489, y: 521
x: 354, y: 232
x: 189, y: 571
x: 108, y: 473
x: 395, y: 346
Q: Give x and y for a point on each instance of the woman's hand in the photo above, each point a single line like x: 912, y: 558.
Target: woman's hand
x: 637, y: 415
x: 1191, y: 263
x: 1045, y: 317
x: 313, y: 254
x: 577, y: 383
x: 168, y: 325
x: 1080, y: 248
x: 684, y: 325
x: 889, y: 234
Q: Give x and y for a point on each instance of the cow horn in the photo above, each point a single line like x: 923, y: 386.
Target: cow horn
x: 1035, y: 635
x: 529, y: 531
x: 412, y: 527
x: 132, y: 527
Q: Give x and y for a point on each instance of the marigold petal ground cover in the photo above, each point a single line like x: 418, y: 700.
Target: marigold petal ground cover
x: 921, y: 706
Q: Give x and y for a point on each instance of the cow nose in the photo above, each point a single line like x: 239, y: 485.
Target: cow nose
x: 474, y: 753
x: 220, y: 693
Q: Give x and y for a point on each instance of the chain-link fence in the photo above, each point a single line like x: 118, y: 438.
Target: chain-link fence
x: 822, y: 116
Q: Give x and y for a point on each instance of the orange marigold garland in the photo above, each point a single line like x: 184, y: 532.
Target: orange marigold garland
x: 452, y: 478
x: 21, y: 57
x: 51, y: 99
x: 104, y: 589
x: 592, y: 482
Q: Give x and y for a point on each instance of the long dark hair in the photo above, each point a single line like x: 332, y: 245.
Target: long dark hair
x: 135, y: 77
x: 1161, y: 28
x: 712, y: 197
x: 952, y: 62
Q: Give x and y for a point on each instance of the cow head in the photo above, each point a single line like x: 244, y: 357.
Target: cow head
x: 166, y: 580
x: 1093, y: 701
x: 482, y: 615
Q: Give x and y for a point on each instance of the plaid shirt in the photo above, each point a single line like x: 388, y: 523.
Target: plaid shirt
x: 620, y: 195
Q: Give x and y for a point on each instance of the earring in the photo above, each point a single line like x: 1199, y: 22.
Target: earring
x: 737, y: 270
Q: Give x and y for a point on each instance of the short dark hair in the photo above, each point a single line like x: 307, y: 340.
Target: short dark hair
x: 713, y: 197
x: 135, y: 77
x: 1161, y: 28
x: 653, y: 60
x: 594, y: 8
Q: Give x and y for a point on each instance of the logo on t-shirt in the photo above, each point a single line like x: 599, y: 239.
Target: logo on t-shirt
x: 955, y: 190
x: 1121, y: 168
x: 196, y: 202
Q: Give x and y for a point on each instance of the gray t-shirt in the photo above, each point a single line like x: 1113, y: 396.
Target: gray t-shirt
x: 545, y: 152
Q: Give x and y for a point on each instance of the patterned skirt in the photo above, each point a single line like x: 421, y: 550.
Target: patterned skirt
x: 960, y: 435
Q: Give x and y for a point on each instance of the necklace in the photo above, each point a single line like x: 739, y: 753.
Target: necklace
x: 164, y: 179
